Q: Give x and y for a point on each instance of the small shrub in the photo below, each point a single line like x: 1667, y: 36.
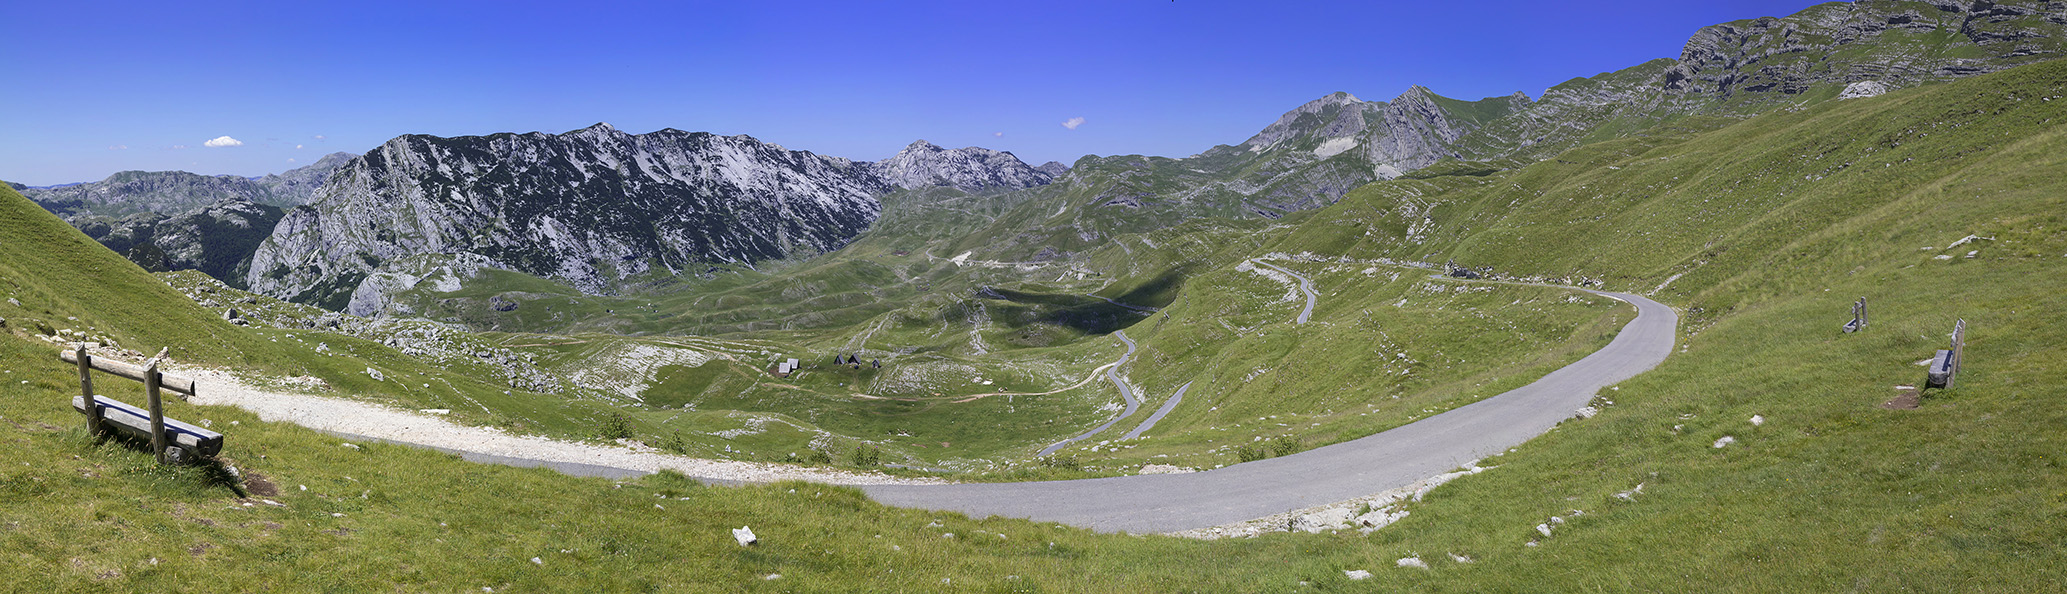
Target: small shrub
x: 866, y: 456
x: 1284, y: 446
x: 617, y: 426
x: 1068, y: 462
x: 674, y: 443
x: 820, y: 456
x: 1252, y: 453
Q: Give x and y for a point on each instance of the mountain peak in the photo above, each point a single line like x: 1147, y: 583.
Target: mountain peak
x: 970, y: 169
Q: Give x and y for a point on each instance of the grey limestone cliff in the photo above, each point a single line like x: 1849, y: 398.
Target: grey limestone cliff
x: 597, y: 208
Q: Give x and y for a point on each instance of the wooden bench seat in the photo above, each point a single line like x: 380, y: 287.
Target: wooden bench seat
x: 137, y: 421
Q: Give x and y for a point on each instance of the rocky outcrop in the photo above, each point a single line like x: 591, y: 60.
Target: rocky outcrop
x: 969, y: 169
x: 596, y: 208
x: 217, y: 239
x: 1899, y: 44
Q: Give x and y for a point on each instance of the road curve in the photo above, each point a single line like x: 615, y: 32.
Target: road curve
x: 1305, y: 284
x: 1160, y: 412
x: 1111, y: 373
x: 1395, y: 458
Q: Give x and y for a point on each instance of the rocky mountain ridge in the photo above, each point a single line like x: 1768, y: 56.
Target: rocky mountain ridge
x: 1312, y: 155
x: 176, y: 220
x: 970, y: 169
x: 176, y: 192
x: 596, y: 208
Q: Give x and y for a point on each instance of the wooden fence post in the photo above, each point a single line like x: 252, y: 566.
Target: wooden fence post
x: 151, y: 380
x: 86, y: 390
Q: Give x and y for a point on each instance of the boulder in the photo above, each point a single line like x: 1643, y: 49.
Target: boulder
x: 1328, y: 519
x: 1863, y: 89
x: 745, y: 536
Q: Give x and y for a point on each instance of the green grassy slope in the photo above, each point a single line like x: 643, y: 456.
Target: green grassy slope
x: 1771, y: 227
x: 1829, y: 492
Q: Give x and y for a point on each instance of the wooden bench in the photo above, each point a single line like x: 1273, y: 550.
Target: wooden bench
x: 1945, y: 365
x: 187, y: 438
x: 173, y: 442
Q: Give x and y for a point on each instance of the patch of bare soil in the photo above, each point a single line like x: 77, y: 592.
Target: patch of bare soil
x: 258, y: 484
x: 1907, y: 399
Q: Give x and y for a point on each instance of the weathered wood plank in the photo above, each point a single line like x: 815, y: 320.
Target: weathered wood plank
x: 153, y: 381
x: 86, y: 388
x: 176, y: 384
x: 136, y: 421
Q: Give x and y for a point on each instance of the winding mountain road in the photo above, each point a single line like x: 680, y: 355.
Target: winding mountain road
x: 1160, y: 413
x: 1395, y: 458
x: 1111, y: 373
x: 1305, y: 284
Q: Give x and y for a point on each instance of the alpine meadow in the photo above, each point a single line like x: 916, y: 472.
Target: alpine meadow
x: 1781, y: 314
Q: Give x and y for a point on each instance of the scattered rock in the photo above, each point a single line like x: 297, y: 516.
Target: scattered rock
x: 1460, y: 558
x: 537, y: 561
x: 745, y: 536
x: 1863, y: 89
x: 1757, y: 420
x: 376, y: 375
x: 1726, y: 440
x: 1380, y: 518
x: 1414, y: 562
x: 230, y: 314
x: 1356, y: 574
x: 1165, y: 469
x: 1329, y: 519
x: 1631, y: 494
x: 498, y: 303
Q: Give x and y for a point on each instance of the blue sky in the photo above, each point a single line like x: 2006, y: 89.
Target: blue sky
x: 103, y: 87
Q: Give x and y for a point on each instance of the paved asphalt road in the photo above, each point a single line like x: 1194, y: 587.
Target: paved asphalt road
x: 1305, y: 284
x: 1127, y: 393
x: 1168, y: 405
x: 1396, y: 458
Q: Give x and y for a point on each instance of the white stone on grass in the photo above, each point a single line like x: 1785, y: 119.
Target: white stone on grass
x: 1356, y: 574
x: 1328, y: 519
x: 1414, y: 562
x: 1726, y: 440
x: 1757, y: 420
x: 745, y: 536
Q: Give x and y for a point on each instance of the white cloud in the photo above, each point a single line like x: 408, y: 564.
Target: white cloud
x: 178, y: 146
x: 1072, y: 123
x: 295, y: 146
x: 118, y: 147
x: 319, y: 137
x: 223, y: 141
x: 998, y: 134
x: 290, y: 161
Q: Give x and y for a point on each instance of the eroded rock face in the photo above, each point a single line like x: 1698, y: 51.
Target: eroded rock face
x: 969, y: 169
x: 1899, y: 44
x: 216, y: 239
x: 595, y: 208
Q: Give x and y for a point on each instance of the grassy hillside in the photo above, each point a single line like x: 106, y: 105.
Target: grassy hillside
x: 1763, y: 230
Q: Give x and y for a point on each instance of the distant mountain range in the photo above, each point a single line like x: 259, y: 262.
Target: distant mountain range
x: 175, y: 220
x: 597, y: 208
x: 1314, y: 154
x: 606, y: 211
